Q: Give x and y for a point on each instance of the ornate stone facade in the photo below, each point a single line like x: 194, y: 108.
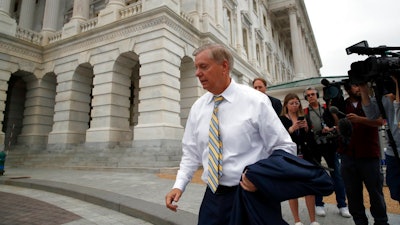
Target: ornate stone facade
x: 96, y: 83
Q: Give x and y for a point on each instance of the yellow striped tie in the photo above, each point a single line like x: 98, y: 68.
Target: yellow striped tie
x: 215, y: 148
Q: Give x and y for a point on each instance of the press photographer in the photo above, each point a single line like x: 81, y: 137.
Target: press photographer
x: 381, y: 72
x: 325, y: 145
x: 333, y: 94
x: 360, y: 158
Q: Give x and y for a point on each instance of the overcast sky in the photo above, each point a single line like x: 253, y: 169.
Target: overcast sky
x: 338, y: 24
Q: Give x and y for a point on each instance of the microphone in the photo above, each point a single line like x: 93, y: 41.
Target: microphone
x: 335, y: 110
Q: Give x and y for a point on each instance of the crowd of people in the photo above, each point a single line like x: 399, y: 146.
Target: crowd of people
x: 245, y: 126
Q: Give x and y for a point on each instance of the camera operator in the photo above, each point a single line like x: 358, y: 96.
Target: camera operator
x: 325, y: 145
x: 391, y: 106
x: 360, y: 161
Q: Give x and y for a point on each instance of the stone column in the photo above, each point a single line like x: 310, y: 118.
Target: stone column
x: 239, y: 36
x: 252, y: 46
x: 111, y: 12
x: 81, y: 10
x: 26, y: 16
x: 8, y: 25
x: 296, y: 48
x: 71, y: 118
x: 80, y: 14
x: 219, y: 14
x: 110, y: 114
x: 208, y: 15
x: 5, y: 6
x: 159, y: 97
x: 39, y: 111
x: 4, y: 78
x: 50, y: 19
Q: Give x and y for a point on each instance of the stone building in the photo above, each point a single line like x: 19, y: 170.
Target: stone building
x: 109, y: 83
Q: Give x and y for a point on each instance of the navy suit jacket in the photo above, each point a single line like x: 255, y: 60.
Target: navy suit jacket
x: 280, y: 177
x: 276, y: 104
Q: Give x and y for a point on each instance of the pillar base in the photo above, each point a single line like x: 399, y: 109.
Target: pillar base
x: 109, y: 14
x: 7, y: 25
x: 33, y: 139
x: 72, y: 28
x: 66, y: 138
x: 158, y: 132
x: 96, y: 135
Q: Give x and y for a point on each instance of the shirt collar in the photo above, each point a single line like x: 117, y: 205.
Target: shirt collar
x: 228, y: 93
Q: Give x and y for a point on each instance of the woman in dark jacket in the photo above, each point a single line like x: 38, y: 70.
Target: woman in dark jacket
x: 292, y: 117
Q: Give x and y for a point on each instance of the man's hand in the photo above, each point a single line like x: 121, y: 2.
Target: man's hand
x: 326, y: 129
x: 303, y: 124
x: 171, y: 198
x: 246, y: 184
x: 354, y: 118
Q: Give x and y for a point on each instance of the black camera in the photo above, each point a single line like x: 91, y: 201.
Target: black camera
x: 332, y: 89
x: 325, y: 138
x: 333, y: 94
x: 375, y: 68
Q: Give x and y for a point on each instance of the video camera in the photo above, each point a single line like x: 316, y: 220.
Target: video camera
x: 333, y: 94
x: 376, y: 69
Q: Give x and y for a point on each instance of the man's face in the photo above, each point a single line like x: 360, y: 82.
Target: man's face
x: 211, y: 75
x: 311, y: 96
x: 355, y: 91
x: 259, y: 85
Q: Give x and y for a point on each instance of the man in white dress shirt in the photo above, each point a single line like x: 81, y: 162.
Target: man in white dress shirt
x: 249, y: 131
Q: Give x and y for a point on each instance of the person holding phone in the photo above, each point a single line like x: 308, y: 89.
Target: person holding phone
x: 292, y: 117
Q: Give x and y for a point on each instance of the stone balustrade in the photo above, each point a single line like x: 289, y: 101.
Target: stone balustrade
x: 55, y: 37
x: 88, y: 25
x: 28, y: 35
x: 187, y: 17
x: 131, y: 10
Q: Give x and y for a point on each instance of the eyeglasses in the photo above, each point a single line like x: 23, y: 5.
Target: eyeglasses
x: 311, y: 94
x: 294, y: 103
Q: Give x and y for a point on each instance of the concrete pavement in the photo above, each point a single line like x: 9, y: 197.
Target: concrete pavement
x: 120, y: 197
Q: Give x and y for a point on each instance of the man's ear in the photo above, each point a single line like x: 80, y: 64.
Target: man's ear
x: 225, y: 66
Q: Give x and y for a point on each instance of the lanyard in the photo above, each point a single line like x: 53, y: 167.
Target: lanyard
x: 319, y: 115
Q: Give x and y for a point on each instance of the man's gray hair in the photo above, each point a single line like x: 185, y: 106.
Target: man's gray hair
x: 218, y: 52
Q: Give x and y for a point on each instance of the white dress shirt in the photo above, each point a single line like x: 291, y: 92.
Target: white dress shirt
x: 250, y: 131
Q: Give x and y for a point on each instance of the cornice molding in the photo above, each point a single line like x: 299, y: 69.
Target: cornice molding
x: 103, y: 36
x: 21, y: 51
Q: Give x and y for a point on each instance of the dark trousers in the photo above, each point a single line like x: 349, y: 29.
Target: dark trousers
x: 328, y: 151
x: 355, y: 173
x: 216, y: 208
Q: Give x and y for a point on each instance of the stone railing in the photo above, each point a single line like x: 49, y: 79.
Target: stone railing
x: 55, y: 37
x: 131, y: 10
x: 29, y: 35
x: 88, y: 25
x: 187, y: 17
x: 128, y: 11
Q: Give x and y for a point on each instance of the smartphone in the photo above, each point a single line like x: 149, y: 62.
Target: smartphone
x: 300, y: 118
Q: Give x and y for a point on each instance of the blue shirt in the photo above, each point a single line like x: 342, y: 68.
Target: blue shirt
x: 250, y: 131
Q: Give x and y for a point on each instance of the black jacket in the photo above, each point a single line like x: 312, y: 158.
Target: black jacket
x: 276, y: 104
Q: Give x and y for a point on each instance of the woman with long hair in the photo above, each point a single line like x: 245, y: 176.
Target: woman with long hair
x: 292, y: 117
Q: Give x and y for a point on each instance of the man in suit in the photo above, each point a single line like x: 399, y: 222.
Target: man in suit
x: 260, y: 84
